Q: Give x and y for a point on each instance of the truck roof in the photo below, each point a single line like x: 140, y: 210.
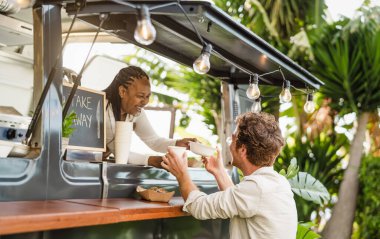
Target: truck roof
x: 237, y: 52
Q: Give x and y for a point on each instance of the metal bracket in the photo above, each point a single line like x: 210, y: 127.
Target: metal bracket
x: 80, y: 4
x: 104, y: 178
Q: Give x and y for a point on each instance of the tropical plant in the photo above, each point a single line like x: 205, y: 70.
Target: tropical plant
x: 304, y: 231
x: 308, y: 188
x: 367, y: 215
x: 278, y: 21
x: 320, y: 157
x: 347, y: 59
x: 67, y: 124
x: 305, y: 185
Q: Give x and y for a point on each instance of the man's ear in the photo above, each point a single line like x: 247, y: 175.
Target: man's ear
x: 242, y: 151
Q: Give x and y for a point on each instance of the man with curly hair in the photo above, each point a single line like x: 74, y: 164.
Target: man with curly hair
x: 262, y: 204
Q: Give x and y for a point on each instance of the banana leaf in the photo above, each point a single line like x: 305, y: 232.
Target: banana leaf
x: 309, y: 188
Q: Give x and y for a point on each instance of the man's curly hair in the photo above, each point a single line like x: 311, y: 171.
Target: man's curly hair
x: 261, y: 135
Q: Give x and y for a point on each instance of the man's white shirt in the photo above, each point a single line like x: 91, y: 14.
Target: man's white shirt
x: 261, y: 206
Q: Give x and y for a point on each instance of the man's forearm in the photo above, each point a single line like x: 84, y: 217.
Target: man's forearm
x: 224, y: 181
x: 186, y: 185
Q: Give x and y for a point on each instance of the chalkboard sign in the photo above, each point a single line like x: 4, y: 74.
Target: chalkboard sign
x: 89, y: 106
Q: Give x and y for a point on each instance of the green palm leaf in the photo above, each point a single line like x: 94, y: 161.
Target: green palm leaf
x: 309, y: 188
x: 304, y: 231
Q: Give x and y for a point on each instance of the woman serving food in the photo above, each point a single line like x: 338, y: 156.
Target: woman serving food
x: 126, y: 97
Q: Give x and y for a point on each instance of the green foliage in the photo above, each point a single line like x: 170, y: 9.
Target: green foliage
x: 318, y: 157
x: 67, y: 124
x: 275, y: 21
x: 309, y: 188
x: 271, y: 103
x: 367, y: 213
x: 184, y: 121
x: 304, y: 231
x: 292, y: 170
x: 305, y: 185
x: 347, y: 59
x: 280, y: 22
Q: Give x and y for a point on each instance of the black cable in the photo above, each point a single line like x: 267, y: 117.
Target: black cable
x: 163, y: 5
x: 195, y: 29
x: 103, y: 17
x: 51, y: 76
x: 125, y: 3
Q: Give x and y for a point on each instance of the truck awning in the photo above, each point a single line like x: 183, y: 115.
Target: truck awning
x: 237, y: 52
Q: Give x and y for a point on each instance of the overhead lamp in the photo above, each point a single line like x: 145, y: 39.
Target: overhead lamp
x: 309, y: 106
x: 256, y: 106
x: 14, y: 6
x: 285, y: 95
x: 202, y: 64
x: 253, y: 91
x: 145, y: 33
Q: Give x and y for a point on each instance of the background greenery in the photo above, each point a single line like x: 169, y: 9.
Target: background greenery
x: 368, y: 212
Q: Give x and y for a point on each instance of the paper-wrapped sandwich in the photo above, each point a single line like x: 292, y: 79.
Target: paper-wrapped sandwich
x: 155, y: 194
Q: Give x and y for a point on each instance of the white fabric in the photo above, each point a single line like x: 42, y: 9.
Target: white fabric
x: 144, y: 130
x: 259, y: 207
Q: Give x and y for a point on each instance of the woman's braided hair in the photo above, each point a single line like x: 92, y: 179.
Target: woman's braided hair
x: 261, y: 135
x: 125, y: 77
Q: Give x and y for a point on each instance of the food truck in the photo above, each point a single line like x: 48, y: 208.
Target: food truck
x: 44, y: 195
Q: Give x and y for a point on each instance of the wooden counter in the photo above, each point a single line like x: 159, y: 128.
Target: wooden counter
x: 29, y: 216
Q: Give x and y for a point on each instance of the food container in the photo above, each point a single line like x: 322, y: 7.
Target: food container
x: 201, y: 149
x: 155, y: 194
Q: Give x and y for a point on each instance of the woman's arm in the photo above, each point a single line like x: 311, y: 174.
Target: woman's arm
x: 147, y: 134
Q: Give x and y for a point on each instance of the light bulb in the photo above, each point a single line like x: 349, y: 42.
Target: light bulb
x: 256, y: 106
x: 309, y: 106
x: 145, y: 33
x: 25, y: 3
x: 286, y: 96
x: 9, y: 7
x: 253, y: 91
x: 202, y: 64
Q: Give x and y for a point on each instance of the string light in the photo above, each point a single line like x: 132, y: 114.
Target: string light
x: 256, y: 106
x: 202, y: 64
x: 145, y: 33
x: 285, y: 95
x: 253, y: 91
x: 309, y: 106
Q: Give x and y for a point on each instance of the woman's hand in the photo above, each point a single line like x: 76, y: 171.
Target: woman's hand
x: 185, y: 142
x: 174, y: 164
x: 213, y: 165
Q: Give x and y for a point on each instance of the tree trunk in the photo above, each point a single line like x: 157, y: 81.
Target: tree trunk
x: 340, y: 224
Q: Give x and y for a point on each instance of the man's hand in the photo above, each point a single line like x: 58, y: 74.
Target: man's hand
x: 214, y: 165
x: 174, y: 164
x: 185, y: 142
x: 178, y: 167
